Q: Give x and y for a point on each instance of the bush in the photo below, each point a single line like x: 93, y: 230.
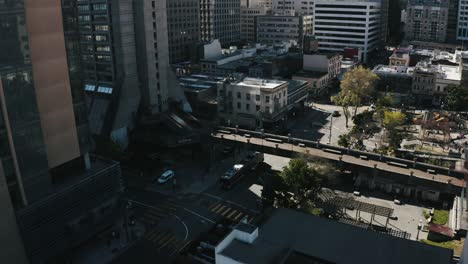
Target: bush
x: 446, y: 244
x: 440, y: 217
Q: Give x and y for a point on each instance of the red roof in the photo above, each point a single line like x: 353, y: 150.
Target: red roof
x: 440, y: 229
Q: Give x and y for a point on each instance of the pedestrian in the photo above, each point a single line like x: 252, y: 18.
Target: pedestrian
x: 174, y: 184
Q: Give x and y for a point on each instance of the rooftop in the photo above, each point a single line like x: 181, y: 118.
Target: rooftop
x: 385, y: 69
x: 261, y: 83
x: 311, y: 74
x: 319, y: 239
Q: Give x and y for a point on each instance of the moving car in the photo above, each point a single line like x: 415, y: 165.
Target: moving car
x: 166, y: 176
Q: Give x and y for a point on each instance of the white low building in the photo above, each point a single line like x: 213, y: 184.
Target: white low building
x: 251, y: 101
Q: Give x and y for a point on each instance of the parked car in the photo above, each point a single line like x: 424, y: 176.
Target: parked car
x: 166, y: 176
x: 336, y: 113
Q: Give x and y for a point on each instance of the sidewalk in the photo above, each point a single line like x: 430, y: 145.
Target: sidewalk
x: 104, y: 248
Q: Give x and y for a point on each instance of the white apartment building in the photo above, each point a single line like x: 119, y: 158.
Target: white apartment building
x: 462, y: 21
x: 300, y: 7
x: 272, y: 29
x: 248, y: 21
x: 252, y: 101
x: 339, y: 24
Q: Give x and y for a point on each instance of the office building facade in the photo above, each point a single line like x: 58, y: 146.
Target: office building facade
x: 462, y: 20
x: 294, y: 7
x: 50, y: 179
x: 348, y: 24
x: 220, y: 19
x: 248, y: 21
x: 183, y: 24
x: 427, y: 20
x: 273, y: 29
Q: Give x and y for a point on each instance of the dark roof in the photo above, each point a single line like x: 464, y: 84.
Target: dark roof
x: 330, y: 242
x: 311, y: 74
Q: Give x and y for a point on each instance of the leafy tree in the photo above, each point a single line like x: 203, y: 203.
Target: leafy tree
x: 342, y: 99
x: 299, y: 183
x: 393, y: 119
x: 395, y: 137
x: 344, y: 140
x: 457, y: 97
x: 357, y: 86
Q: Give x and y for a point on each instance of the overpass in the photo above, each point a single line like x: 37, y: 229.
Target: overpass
x: 395, y: 169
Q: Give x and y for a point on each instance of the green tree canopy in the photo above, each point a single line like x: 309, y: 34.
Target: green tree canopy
x: 457, y: 98
x: 393, y: 119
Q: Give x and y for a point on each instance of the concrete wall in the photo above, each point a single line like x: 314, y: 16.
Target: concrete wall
x: 51, y: 80
x: 12, y: 245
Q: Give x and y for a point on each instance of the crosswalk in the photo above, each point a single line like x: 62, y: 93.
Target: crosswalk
x: 165, y: 239
x: 227, y: 211
x: 151, y: 216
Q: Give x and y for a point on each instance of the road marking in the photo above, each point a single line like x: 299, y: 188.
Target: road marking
x: 219, y: 209
x: 150, y: 233
x: 231, y: 202
x: 186, y: 228
x: 163, y: 238
x: 192, y: 212
x: 158, y: 236
x: 180, y: 248
x: 225, y: 211
x: 162, y: 241
x: 214, y: 206
x: 238, y: 216
x: 231, y: 214
x: 173, y: 239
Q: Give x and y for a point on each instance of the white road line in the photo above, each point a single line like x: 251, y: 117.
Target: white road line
x: 201, y: 216
x: 186, y: 228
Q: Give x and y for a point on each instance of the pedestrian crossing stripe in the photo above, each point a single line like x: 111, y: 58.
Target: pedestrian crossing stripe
x: 156, y: 213
x: 159, y: 236
x: 151, y: 216
x: 214, y: 206
x: 226, y: 211
x: 231, y: 214
x: 217, y: 211
x: 180, y: 244
x: 163, y: 238
x: 168, y: 206
x: 152, y: 232
x: 172, y: 240
x: 238, y: 216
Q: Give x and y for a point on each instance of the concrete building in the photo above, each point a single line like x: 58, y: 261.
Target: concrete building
x: 108, y: 58
x: 427, y: 20
x: 352, y: 24
x: 272, y: 29
x: 299, y: 7
x: 254, y: 3
x: 56, y: 190
x: 312, y: 239
x: 394, y: 79
x: 251, y: 102
x: 462, y: 20
x: 183, y: 24
x: 400, y: 57
x: 220, y: 19
x: 249, y: 22
x: 152, y: 54
x: 430, y: 82
x: 317, y: 81
x: 329, y: 63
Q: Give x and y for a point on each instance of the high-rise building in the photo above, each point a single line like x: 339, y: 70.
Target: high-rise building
x: 273, y: 29
x: 299, y: 7
x: 348, y: 24
x: 249, y: 19
x: 56, y: 189
x: 107, y: 43
x: 452, y: 22
x: 462, y: 20
x: 220, y: 19
x: 183, y: 24
x: 253, y: 3
x: 152, y: 54
x: 427, y: 20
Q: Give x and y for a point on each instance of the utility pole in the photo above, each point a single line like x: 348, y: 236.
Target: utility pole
x: 330, y: 132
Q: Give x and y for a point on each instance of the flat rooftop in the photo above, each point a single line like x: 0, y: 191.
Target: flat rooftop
x: 311, y: 74
x: 450, y: 72
x: 330, y: 242
x: 385, y: 69
x: 261, y: 83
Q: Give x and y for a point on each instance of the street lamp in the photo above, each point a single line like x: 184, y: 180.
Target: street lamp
x: 419, y: 229
x: 262, y: 131
x: 330, y: 132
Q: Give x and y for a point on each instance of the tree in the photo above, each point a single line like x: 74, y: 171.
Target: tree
x: 457, y: 97
x: 300, y: 181
x: 357, y: 86
x: 344, y: 140
x: 344, y: 101
x: 393, y: 119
